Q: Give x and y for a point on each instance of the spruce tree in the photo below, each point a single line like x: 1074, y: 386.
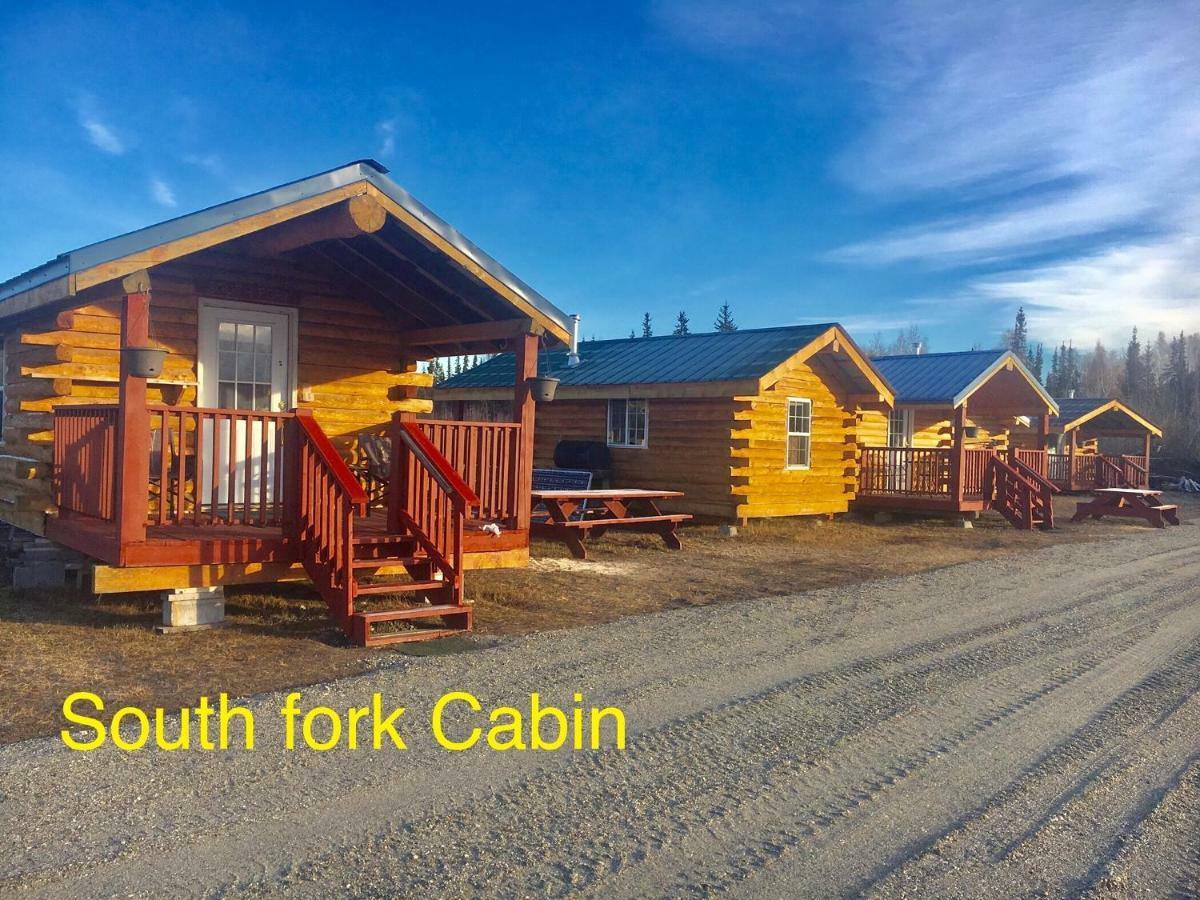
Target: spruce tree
x: 681, y: 324
x: 647, y: 331
x: 725, y: 319
x: 1039, y: 360
x: 1018, y: 338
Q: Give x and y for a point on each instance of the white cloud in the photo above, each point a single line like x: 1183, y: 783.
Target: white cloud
x: 1013, y: 133
x: 209, y: 162
x: 161, y: 192
x: 387, y: 136
x: 1155, y: 286
x: 97, y: 130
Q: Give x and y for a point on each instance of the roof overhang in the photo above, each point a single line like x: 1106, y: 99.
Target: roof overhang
x: 1142, y: 423
x: 852, y: 365
x: 112, y: 259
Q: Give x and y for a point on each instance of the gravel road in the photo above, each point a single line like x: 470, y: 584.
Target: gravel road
x: 1022, y: 726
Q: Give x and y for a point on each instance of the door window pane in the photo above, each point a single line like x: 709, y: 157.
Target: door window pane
x: 244, y: 365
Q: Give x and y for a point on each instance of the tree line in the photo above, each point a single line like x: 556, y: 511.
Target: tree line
x: 1159, y: 377
x: 724, y: 322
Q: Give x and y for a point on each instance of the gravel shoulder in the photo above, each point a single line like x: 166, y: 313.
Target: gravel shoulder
x: 1017, y: 726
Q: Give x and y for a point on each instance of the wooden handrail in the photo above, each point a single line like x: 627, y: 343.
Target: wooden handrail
x: 437, y: 464
x: 329, y: 456
x: 1034, y: 475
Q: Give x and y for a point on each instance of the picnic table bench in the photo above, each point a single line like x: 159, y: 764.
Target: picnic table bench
x: 571, y: 516
x: 1134, y: 503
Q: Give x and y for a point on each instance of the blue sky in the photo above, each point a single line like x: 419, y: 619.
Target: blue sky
x: 876, y: 163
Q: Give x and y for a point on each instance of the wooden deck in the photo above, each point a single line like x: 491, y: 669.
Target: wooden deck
x: 188, y: 545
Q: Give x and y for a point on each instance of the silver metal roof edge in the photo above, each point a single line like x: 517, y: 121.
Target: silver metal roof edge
x: 263, y: 201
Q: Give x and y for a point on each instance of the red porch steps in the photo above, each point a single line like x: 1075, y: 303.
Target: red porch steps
x: 372, y: 552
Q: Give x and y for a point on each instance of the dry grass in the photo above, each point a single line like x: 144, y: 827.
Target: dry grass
x: 53, y: 643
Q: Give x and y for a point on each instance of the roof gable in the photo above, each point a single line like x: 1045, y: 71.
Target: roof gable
x: 950, y: 378
x: 116, y: 257
x: 1075, y: 412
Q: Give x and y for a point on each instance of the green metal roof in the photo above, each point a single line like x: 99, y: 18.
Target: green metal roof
x: 717, y: 356
x: 947, y: 378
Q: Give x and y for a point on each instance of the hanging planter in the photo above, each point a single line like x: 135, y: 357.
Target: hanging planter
x: 144, y: 362
x: 543, y: 387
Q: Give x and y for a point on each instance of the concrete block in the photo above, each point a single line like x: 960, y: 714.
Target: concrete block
x: 192, y: 607
x: 42, y: 574
x: 729, y: 531
x: 963, y: 522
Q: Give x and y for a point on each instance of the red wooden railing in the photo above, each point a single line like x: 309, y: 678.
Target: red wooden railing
x: 1040, y: 501
x: 327, y: 499
x: 1058, y: 469
x: 486, y: 455
x: 918, y: 471
x: 1019, y: 493
x: 1134, y: 470
x: 975, y: 464
x: 905, y: 471
x: 436, y: 499
x: 216, y: 466
x: 85, y: 454
x: 1038, y: 460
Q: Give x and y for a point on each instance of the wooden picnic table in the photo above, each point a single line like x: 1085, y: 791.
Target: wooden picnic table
x: 573, y: 516
x: 1135, y: 503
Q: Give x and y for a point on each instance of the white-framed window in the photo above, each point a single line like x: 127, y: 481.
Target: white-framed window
x: 799, y: 433
x: 900, y: 428
x: 628, y: 423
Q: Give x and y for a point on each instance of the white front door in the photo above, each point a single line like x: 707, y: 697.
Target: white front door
x: 244, y: 362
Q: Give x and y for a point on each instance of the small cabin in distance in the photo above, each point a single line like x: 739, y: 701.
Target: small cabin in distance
x: 960, y: 421
x: 1089, y: 435
x: 185, y: 403
x: 748, y: 424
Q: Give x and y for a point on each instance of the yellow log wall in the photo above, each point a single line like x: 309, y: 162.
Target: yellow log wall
x: 763, y: 484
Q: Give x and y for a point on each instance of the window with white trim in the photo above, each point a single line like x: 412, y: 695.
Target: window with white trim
x: 628, y: 422
x: 900, y: 428
x: 799, y: 433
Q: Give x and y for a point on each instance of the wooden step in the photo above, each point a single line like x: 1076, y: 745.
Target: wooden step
x: 413, y: 612
x: 422, y: 634
x: 399, y: 587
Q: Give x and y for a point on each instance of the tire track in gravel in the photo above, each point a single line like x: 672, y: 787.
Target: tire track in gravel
x: 1141, y: 867
x: 758, y: 851
x: 750, y: 724
x: 999, y: 835
x: 246, y: 782
x: 255, y: 774
x: 673, y: 824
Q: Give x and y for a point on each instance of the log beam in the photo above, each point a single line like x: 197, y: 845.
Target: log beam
x: 499, y: 330
x: 342, y: 221
x: 523, y: 414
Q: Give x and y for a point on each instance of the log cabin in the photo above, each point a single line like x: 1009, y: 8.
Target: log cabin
x: 292, y: 321
x: 1086, y: 427
x: 748, y: 424
x: 969, y: 431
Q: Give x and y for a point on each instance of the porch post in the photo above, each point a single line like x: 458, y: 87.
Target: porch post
x: 1043, y: 432
x: 1072, y: 449
x: 133, y: 418
x: 958, y: 454
x: 523, y: 414
x: 397, y: 499
x: 1146, y: 459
